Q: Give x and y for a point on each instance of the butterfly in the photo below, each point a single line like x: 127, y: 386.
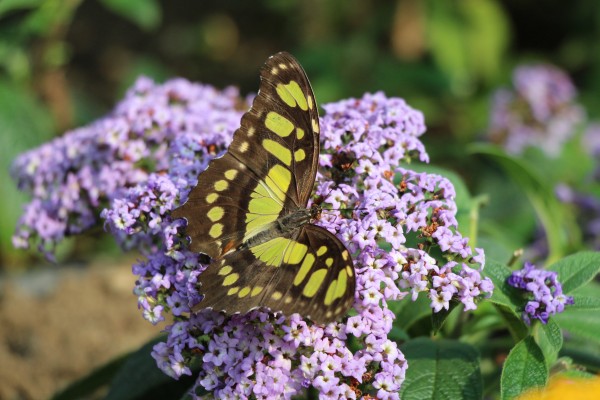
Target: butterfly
x: 248, y: 211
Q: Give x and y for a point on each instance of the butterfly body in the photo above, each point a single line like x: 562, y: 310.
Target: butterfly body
x: 249, y: 212
x: 282, y: 226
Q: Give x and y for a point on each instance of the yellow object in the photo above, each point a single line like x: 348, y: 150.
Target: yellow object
x: 566, y: 388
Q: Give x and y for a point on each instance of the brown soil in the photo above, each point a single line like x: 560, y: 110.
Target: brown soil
x: 58, y: 324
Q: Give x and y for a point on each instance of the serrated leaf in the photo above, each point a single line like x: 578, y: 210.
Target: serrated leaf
x: 576, y: 270
x: 550, y: 339
x: 441, y: 369
x: 523, y: 369
x: 576, y: 374
x: 140, y: 378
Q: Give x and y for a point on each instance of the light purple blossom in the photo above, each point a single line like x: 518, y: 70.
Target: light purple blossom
x: 73, y: 177
x: 370, y: 202
x: 540, y: 111
x: 545, y: 292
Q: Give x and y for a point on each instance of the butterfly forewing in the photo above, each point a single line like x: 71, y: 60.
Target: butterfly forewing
x: 248, y: 210
x: 276, y: 139
x: 217, y: 207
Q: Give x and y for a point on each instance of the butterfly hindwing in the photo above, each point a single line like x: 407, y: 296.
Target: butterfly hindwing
x: 312, y: 272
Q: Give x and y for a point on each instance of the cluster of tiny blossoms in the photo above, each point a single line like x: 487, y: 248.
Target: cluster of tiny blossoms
x: 72, y: 178
x: 539, y: 112
x: 370, y: 202
x: 548, y: 298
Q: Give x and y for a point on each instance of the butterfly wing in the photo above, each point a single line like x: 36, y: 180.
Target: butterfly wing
x: 268, y: 170
x: 309, y: 272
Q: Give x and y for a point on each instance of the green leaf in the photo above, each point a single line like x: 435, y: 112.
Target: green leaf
x: 140, y: 378
x: 495, y: 248
x: 584, y: 303
x: 408, y: 312
x: 576, y: 374
x: 550, y: 339
x: 518, y: 329
x: 503, y: 292
x: 580, y: 322
x: 590, y: 290
x: 524, y: 368
x: 439, y: 318
x: 576, y: 270
x: 86, y: 386
x: 144, y: 13
x: 441, y: 369
x: 506, y: 299
x: 540, y: 193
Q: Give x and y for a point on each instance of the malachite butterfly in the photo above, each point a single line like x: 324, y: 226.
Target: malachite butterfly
x: 248, y: 211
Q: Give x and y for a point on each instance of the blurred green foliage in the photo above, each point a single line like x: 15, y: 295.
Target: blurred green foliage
x: 64, y: 63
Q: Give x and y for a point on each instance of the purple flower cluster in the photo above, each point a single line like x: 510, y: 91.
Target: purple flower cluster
x: 373, y: 205
x: 75, y: 176
x: 539, y: 112
x: 544, y: 288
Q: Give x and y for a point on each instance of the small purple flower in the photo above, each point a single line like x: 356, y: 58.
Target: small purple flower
x: 544, y: 289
